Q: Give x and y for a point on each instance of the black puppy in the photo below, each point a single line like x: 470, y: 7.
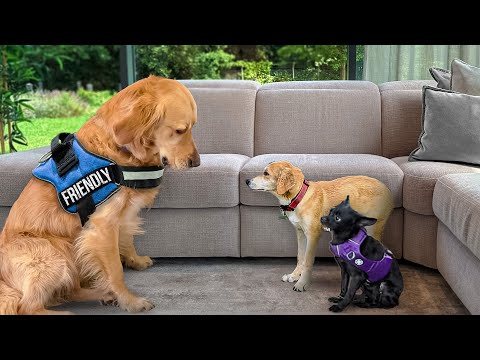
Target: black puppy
x: 365, y: 263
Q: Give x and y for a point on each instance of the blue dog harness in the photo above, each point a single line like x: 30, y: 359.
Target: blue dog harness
x: 85, y: 180
x: 349, y: 251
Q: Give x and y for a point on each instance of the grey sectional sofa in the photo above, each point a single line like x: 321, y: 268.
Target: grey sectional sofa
x: 329, y: 129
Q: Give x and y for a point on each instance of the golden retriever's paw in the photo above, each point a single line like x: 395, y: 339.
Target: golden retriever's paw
x: 9, y: 308
x: 290, y: 277
x: 301, y: 285
x: 138, y: 304
x: 109, y: 300
x: 139, y: 263
x: 113, y: 302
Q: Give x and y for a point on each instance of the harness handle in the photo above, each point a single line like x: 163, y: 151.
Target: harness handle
x: 63, y: 154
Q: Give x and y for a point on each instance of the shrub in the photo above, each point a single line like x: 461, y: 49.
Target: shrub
x: 13, y: 76
x: 172, y: 61
x: 94, y: 98
x: 256, y: 70
x: 55, y: 104
x: 209, y: 65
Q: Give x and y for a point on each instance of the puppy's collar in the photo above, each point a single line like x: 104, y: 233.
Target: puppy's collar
x: 296, y: 200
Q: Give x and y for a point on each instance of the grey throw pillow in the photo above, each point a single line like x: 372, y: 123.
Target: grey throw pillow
x: 441, y: 76
x: 465, y: 78
x: 450, y: 127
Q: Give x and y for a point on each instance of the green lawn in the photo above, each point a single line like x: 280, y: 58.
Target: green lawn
x: 41, y: 131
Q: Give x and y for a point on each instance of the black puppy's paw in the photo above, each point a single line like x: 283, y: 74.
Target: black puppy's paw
x: 334, y: 299
x: 335, y: 308
x: 363, y: 304
x: 357, y: 299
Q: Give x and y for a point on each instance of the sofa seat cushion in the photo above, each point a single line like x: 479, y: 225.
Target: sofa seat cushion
x: 213, y: 184
x: 420, y: 178
x: 456, y: 203
x: 321, y: 167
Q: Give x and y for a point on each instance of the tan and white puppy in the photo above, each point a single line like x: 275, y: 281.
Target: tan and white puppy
x: 368, y: 196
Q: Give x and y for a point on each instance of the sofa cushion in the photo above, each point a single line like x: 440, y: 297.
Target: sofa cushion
x: 318, y: 117
x: 263, y: 233
x: 16, y: 172
x: 450, y: 127
x: 318, y: 167
x: 420, y: 178
x: 459, y: 267
x: 213, y: 184
x: 401, y: 115
x: 465, y: 78
x: 226, y: 111
x: 190, y: 232
x: 441, y: 76
x: 456, y: 203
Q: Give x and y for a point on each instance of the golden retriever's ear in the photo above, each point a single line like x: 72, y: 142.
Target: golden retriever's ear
x: 130, y: 126
x: 285, y: 181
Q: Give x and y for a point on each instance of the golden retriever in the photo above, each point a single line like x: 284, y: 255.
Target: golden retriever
x: 367, y: 196
x: 46, y: 257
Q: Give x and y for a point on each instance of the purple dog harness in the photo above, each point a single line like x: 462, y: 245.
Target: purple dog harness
x: 349, y: 251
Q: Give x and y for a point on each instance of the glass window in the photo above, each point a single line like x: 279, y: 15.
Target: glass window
x: 262, y: 63
x: 48, y: 89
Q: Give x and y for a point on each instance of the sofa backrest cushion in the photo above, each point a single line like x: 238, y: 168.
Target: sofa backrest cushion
x: 314, y: 117
x: 226, y: 111
x: 401, y: 115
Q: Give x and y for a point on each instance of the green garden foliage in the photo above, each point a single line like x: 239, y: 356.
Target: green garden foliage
x: 14, y: 74
x: 262, y: 63
x: 255, y: 70
x: 316, y: 62
x: 210, y: 65
x: 54, y: 104
x: 180, y: 61
x: 60, y: 67
x: 40, y: 132
x: 95, y: 99
x: 62, y: 104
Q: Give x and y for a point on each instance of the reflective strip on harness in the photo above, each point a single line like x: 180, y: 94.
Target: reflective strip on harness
x: 144, y: 175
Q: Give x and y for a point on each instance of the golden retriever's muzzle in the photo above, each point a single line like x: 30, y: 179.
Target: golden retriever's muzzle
x: 194, y: 160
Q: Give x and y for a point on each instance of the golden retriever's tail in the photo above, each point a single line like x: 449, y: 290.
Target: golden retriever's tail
x: 9, y: 299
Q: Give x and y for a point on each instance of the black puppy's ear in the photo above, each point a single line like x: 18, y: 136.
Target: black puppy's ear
x: 366, y: 221
x: 347, y: 200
